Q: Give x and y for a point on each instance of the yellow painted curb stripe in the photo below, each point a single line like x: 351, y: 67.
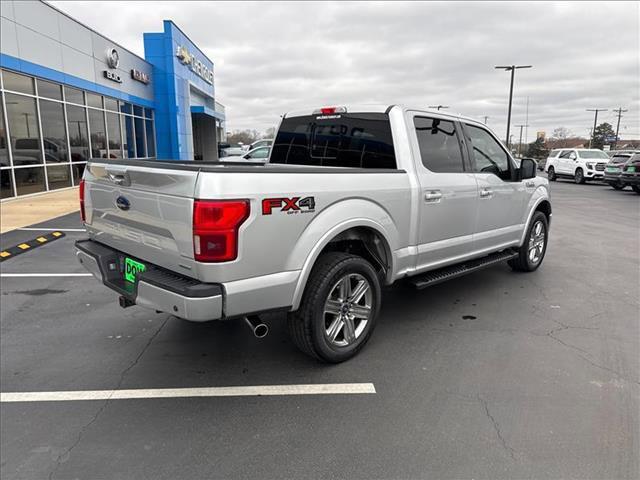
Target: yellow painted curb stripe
x: 5, y: 254
x: 41, y: 239
x: 23, y: 246
x: 56, y: 234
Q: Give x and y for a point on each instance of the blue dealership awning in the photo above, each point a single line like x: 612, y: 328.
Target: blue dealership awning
x: 207, y: 111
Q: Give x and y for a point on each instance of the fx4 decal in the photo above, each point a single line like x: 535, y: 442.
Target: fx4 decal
x: 289, y: 205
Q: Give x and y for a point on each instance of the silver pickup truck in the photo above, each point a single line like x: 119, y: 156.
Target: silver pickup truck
x: 352, y: 198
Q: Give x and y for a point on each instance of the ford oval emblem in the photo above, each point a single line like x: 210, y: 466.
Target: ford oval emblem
x: 123, y: 203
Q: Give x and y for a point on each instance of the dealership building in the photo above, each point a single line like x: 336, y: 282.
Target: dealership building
x: 70, y: 94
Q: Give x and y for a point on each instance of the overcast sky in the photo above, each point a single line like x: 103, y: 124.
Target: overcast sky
x: 274, y: 57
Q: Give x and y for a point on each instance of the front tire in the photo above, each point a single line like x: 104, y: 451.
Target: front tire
x: 339, y: 308
x: 551, y: 174
x: 579, y: 176
x: 532, y: 252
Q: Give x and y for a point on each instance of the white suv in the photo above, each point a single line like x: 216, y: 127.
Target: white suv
x: 580, y: 164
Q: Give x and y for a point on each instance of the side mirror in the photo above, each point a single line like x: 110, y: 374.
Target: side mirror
x: 527, y: 168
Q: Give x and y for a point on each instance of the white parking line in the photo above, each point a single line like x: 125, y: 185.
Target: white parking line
x: 247, y: 391
x: 32, y: 229
x: 20, y: 275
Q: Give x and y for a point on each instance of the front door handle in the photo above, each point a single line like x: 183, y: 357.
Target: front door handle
x: 485, y: 193
x: 433, y: 196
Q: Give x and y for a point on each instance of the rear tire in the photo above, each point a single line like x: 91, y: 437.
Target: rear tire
x: 532, y: 252
x: 636, y: 188
x: 578, y: 176
x: 551, y: 174
x: 617, y: 186
x: 339, y: 308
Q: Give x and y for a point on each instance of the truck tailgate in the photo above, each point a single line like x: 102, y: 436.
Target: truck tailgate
x: 142, y: 211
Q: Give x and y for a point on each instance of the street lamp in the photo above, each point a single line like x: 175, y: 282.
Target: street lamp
x: 513, y: 69
x: 438, y: 107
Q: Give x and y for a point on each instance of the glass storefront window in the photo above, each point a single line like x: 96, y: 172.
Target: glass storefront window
x: 111, y: 104
x: 147, y: 112
x: 140, y: 149
x: 53, y: 132
x: 59, y: 176
x: 23, y: 129
x: 151, y: 148
x: 49, y: 90
x: 94, y: 100
x: 78, y: 170
x: 98, y: 135
x: 125, y: 108
x: 115, y: 135
x: 17, y: 83
x: 6, y: 184
x: 130, y: 150
x: 78, y: 136
x: 4, y: 146
x: 74, y: 95
x: 137, y: 110
x: 29, y: 180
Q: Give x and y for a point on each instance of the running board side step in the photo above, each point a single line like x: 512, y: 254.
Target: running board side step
x: 447, y: 273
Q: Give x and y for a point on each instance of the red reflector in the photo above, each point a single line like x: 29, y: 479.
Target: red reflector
x: 83, y: 216
x: 215, y: 228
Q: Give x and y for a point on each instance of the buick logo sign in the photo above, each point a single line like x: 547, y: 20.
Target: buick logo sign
x: 123, y: 203
x: 113, y: 58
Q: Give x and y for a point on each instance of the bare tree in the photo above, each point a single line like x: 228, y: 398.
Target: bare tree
x: 561, y: 134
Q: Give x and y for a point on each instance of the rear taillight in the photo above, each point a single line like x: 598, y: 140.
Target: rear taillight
x: 83, y: 216
x: 215, y: 228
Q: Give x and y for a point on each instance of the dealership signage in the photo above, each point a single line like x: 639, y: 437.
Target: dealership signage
x: 140, y: 76
x: 194, y: 64
x: 113, y: 76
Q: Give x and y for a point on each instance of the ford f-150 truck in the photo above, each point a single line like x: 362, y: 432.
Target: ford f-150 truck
x: 352, y: 198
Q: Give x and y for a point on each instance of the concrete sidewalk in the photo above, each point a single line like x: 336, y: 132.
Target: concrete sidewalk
x: 21, y: 212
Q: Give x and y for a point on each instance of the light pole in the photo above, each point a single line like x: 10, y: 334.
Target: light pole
x: 513, y: 69
x: 620, y: 111
x: 438, y: 107
x: 520, y: 143
x: 486, y: 117
x: 595, y: 121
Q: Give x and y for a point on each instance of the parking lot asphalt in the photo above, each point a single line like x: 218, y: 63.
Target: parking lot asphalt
x: 493, y: 375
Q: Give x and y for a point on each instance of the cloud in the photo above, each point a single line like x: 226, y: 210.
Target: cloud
x: 271, y: 57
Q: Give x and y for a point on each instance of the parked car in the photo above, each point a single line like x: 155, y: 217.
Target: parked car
x: 235, y: 149
x: 613, y: 170
x: 579, y: 164
x: 265, y: 142
x: 552, y: 154
x: 631, y: 173
x: 260, y: 154
x: 353, y: 198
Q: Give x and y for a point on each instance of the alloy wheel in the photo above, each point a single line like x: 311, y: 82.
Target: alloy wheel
x: 347, y: 310
x: 536, y: 242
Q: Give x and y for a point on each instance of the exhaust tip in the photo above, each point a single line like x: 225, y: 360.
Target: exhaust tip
x: 261, y: 330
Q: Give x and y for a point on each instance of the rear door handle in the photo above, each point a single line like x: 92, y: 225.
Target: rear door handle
x: 433, y: 196
x: 485, y: 193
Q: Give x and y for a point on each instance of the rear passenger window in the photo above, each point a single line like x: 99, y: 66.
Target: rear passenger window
x: 355, y: 140
x: 565, y: 153
x: 439, y: 145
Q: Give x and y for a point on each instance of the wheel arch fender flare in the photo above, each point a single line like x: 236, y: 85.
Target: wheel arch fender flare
x: 333, y: 221
x: 539, y: 197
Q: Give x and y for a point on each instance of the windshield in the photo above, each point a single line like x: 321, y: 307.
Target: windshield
x: 356, y: 140
x: 595, y: 154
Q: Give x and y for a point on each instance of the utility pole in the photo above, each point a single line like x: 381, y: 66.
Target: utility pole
x: 512, y: 69
x: 526, y: 120
x: 438, y: 107
x: 520, y: 144
x: 620, y: 111
x: 595, y: 121
x: 486, y: 117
